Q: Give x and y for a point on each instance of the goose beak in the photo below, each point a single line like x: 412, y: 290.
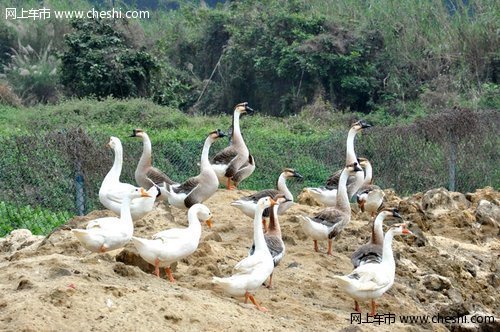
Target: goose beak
x: 365, y: 124
x: 273, y: 202
x: 357, y: 168
x: 298, y: 175
x: 209, y: 222
x: 406, y: 231
x: 396, y: 214
x: 249, y: 110
x: 144, y: 193
x: 220, y: 133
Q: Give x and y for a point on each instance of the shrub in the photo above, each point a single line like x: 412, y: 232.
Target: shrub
x: 33, y: 75
x: 8, y: 97
x: 98, y: 62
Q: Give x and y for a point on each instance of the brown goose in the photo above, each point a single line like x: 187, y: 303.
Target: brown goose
x: 371, y: 252
x: 145, y: 173
x: 328, y: 194
x: 329, y: 222
x: 228, y: 162
x: 199, y: 188
x: 247, y: 204
x: 273, y: 238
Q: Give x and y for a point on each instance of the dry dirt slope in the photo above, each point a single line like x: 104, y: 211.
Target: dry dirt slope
x: 452, y: 268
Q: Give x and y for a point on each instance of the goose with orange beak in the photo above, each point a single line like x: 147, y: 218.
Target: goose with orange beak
x: 174, y: 244
x: 370, y: 281
x: 251, y: 272
x: 105, y: 234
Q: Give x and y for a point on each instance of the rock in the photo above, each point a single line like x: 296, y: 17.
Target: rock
x: 436, y: 282
x: 214, y: 236
x: 306, y: 198
x: 130, y: 256
x: 124, y: 270
x: 476, y: 322
x: 487, y: 193
x: 437, y: 201
x: 488, y: 218
x: 24, y: 284
x: 455, y: 310
x: 419, y: 240
x: 19, y: 239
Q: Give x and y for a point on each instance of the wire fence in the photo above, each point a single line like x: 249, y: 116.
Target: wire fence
x: 46, y: 178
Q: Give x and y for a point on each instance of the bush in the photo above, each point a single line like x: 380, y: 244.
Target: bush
x: 8, y: 97
x: 33, y: 74
x: 98, y: 62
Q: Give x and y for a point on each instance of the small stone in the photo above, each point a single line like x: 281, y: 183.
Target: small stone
x: 24, y: 284
x: 436, y: 282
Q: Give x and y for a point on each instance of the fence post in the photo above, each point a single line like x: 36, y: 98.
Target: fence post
x: 80, y: 191
x: 452, y: 160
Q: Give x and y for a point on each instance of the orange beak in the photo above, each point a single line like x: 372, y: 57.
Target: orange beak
x: 144, y: 193
x: 209, y: 223
x: 273, y: 202
x: 406, y: 231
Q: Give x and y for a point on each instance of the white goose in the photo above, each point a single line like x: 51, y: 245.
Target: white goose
x: 370, y: 281
x: 105, y: 234
x: 199, y: 188
x: 140, y: 206
x: 229, y: 161
x: 330, y: 222
x: 252, y: 271
x: 174, y: 244
x: 328, y: 194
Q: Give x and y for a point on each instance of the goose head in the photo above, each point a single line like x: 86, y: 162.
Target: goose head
x: 134, y: 193
x: 203, y: 214
x: 353, y: 168
x: 243, y: 108
x: 291, y: 173
x: 114, y: 142
x: 363, y: 162
x: 138, y: 133
x: 280, y: 199
x: 360, y: 125
x: 266, y: 202
x: 391, y: 213
x: 400, y: 229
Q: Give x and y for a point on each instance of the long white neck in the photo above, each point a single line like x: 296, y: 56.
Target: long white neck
x: 194, y: 222
x: 350, y: 154
x: 236, y: 136
x: 342, y: 198
x: 368, y: 173
x: 204, y: 162
x: 115, y: 171
x: 258, y: 233
x: 281, y: 186
x: 146, y: 151
x: 274, y: 224
x: 125, y: 215
x: 377, y: 230
x: 387, y: 254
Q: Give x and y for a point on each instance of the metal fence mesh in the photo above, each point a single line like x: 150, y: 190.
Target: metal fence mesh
x: 61, y: 172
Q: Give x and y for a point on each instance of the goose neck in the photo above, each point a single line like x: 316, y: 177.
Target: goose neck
x: 204, y: 162
x: 236, y: 137
x: 350, y: 154
x: 368, y: 173
x: 194, y: 222
x: 116, y: 169
x: 274, y: 225
x: 282, y: 187
x: 387, y: 254
x: 342, y: 198
x: 146, y: 151
x: 377, y: 229
x: 258, y: 233
x: 125, y: 214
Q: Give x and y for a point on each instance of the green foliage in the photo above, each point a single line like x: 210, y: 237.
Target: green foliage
x: 98, y: 62
x: 33, y: 75
x: 39, y: 221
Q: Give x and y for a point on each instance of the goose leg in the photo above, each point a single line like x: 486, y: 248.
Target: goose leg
x: 250, y: 296
x: 228, y: 184
x: 316, y: 245
x: 169, y: 274
x: 329, y: 252
x: 356, y: 306
x: 374, y: 308
x: 157, y: 268
x: 270, y: 284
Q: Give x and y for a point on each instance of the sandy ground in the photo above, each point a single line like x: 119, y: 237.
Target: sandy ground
x: 57, y: 285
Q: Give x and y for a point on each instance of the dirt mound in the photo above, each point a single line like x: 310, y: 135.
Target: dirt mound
x: 452, y: 268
